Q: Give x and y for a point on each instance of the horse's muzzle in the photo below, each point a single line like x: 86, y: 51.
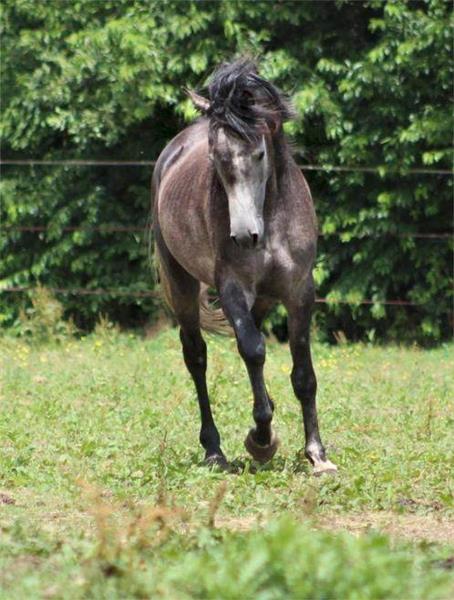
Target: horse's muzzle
x: 246, y: 239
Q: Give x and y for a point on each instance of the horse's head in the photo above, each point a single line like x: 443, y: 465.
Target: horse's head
x: 244, y: 168
x: 245, y: 112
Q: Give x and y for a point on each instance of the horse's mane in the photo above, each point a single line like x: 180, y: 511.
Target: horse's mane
x: 243, y: 102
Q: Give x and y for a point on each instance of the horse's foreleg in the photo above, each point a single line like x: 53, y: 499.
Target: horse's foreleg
x: 261, y: 442
x: 304, y: 380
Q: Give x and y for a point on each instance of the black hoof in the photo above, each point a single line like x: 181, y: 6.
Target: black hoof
x: 217, y: 461
x: 261, y: 454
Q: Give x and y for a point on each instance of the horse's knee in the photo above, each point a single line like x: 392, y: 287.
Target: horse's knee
x: 252, y: 348
x: 304, y: 383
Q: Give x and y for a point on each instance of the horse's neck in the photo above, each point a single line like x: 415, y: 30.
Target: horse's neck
x: 281, y: 157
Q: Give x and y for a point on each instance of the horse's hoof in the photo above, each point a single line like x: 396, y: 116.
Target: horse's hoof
x: 261, y: 454
x: 217, y: 461
x: 315, y: 453
x: 325, y: 466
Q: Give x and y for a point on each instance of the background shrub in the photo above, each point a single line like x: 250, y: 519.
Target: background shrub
x: 105, y: 81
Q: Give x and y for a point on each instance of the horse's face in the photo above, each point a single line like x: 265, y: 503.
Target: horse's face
x: 244, y: 169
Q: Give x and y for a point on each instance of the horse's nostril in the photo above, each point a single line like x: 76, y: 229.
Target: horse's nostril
x: 245, y: 240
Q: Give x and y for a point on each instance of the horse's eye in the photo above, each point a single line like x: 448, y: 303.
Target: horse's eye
x: 260, y: 155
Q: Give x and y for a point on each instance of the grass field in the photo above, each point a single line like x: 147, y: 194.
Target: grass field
x: 103, y: 494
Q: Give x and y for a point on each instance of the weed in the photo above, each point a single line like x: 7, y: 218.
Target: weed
x: 105, y: 329
x: 43, y: 321
x: 215, y: 503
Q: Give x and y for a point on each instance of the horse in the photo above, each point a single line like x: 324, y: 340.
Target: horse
x: 232, y: 211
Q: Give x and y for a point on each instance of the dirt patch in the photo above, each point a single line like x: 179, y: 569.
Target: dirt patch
x: 6, y: 499
x: 414, y: 528
x: 238, y: 523
x: 411, y: 504
x: 427, y: 528
x: 54, y: 515
x: 17, y: 566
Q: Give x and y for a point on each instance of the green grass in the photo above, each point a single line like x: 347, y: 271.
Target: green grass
x: 99, y: 453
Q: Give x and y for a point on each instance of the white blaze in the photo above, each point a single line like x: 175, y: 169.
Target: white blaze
x: 246, y: 189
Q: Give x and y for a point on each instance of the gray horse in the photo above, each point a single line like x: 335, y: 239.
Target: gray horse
x: 233, y: 211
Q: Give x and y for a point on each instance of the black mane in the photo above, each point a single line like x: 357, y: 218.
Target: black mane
x: 242, y: 101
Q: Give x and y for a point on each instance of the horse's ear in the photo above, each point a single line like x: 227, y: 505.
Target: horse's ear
x: 200, y: 103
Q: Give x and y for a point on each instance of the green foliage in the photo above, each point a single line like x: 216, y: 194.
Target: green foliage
x: 285, y: 560
x: 104, y: 80
x: 99, y: 451
x: 288, y: 561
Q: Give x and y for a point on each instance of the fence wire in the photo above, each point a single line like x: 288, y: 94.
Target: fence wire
x: 151, y: 163
x: 140, y: 229
x: 156, y: 294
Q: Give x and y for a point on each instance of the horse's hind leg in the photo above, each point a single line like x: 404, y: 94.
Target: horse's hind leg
x: 184, y: 297
x: 261, y: 442
x: 195, y: 357
x: 303, y: 377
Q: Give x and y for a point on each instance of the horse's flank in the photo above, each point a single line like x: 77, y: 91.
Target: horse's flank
x: 183, y: 203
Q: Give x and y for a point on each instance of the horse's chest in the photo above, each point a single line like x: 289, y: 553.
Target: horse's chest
x: 279, y: 256
x: 285, y: 266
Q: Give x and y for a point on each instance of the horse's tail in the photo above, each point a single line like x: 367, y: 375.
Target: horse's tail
x: 211, y: 319
x: 162, y: 279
